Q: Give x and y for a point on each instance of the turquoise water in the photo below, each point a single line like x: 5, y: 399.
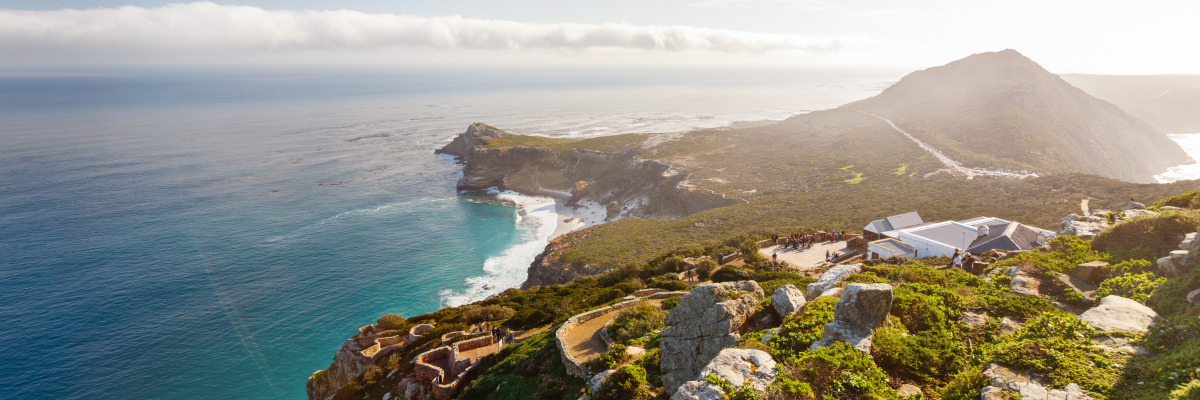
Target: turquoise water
x: 219, y: 235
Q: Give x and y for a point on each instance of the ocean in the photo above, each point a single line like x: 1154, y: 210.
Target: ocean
x: 217, y: 234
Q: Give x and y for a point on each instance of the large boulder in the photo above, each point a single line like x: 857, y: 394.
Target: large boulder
x: 737, y: 366
x: 706, y: 321
x: 1119, y: 314
x: 1003, y: 382
x: 787, y: 300
x: 829, y: 279
x: 861, y: 309
x: 1085, y: 227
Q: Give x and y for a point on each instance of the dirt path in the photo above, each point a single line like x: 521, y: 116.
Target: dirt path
x: 583, y: 341
x: 954, y: 166
x: 1083, y: 206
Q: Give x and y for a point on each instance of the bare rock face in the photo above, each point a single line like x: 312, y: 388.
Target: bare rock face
x: 698, y: 390
x: 596, y: 381
x: 1194, y: 296
x: 476, y: 133
x: 861, y: 309
x: 738, y: 366
x: 787, y: 300
x: 1009, y: 325
x: 1002, y: 382
x: 975, y: 321
x: 348, y: 363
x: 1119, y: 314
x: 706, y: 321
x: 829, y: 279
x: 1085, y: 227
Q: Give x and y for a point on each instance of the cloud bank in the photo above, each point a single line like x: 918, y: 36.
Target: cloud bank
x: 204, y: 27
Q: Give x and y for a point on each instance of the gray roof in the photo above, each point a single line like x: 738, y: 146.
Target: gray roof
x: 952, y: 234
x: 1007, y: 237
x: 895, y: 246
x: 894, y: 222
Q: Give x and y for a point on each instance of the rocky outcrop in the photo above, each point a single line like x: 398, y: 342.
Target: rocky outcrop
x: 829, y: 279
x: 1183, y: 260
x: 1119, y: 314
x: 739, y: 367
x: 706, y: 321
x: 1194, y: 296
x: 348, y: 363
x: 1003, y: 382
x: 475, y: 135
x: 1085, y: 227
x: 861, y: 309
x: 626, y: 184
x: 787, y: 300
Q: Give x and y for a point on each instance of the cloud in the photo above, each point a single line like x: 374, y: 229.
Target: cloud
x: 208, y: 28
x: 767, y: 4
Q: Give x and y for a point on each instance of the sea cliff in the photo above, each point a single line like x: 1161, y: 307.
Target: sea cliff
x: 626, y: 184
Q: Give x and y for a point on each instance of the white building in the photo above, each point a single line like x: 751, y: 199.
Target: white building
x: 976, y: 235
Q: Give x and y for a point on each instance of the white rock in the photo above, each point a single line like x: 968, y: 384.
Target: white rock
x: 1002, y: 380
x: 829, y: 279
x: 1119, y: 314
x: 1194, y: 296
x: 1009, y: 325
x: 596, y: 381
x: 706, y: 321
x: 787, y: 300
x: 861, y: 309
x: 698, y: 390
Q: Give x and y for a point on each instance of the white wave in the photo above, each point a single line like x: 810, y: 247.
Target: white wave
x: 1190, y: 142
x: 536, y: 221
x: 321, y: 225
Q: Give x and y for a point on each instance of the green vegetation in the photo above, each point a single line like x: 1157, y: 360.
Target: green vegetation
x: 608, y: 144
x: 390, y: 322
x: 636, y: 322
x: 856, y: 179
x: 1137, y: 287
x: 900, y: 171
x: 923, y: 341
x: 1147, y: 237
x: 1189, y: 200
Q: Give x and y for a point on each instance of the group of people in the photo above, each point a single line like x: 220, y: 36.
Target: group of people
x: 796, y: 240
x: 965, y: 261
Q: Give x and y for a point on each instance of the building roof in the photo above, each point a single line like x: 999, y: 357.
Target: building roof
x: 950, y: 233
x: 894, y: 222
x: 894, y: 246
x: 1009, y: 236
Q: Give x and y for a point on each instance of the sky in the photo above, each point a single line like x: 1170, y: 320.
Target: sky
x: 1107, y: 37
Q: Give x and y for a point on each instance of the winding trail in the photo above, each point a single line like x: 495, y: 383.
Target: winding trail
x: 584, y: 342
x: 955, y: 167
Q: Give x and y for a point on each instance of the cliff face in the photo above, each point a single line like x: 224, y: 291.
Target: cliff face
x: 348, y: 363
x: 640, y: 188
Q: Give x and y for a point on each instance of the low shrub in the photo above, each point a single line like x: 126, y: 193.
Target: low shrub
x: 1136, y: 287
x: 636, y: 322
x: 705, y: 268
x: 627, y: 383
x: 670, y: 303
x: 1170, y: 298
x: 673, y: 286
x: 926, y: 357
x: 476, y: 314
x: 650, y: 363
x: 803, y: 328
x: 615, y: 356
x: 732, y: 274
x: 1059, y: 346
x: 390, y: 322
x: 841, y: 372
x: 1149, y: 236
x: 1185, y: 200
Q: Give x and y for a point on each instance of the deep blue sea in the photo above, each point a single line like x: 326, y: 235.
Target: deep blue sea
x: 217, y: 234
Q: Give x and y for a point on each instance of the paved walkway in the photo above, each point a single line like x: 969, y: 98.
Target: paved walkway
x: 805, y: 258
x: 583, y: 341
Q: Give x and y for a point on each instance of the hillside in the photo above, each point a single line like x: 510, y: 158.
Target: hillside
x: 1166, y: 102
x: 1003, y: 110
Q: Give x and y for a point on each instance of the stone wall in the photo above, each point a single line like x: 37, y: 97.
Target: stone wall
x: 573, y: 366
x: 416, y: 331
x: 427, y: 371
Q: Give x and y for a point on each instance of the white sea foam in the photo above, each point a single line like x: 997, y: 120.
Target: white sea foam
x: 536, y: 221
x: 1190, y: 142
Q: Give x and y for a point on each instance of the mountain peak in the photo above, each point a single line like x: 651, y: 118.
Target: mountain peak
x: 1003, y: 110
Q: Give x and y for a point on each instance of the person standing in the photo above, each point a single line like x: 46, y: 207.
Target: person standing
x: 957, y: 260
